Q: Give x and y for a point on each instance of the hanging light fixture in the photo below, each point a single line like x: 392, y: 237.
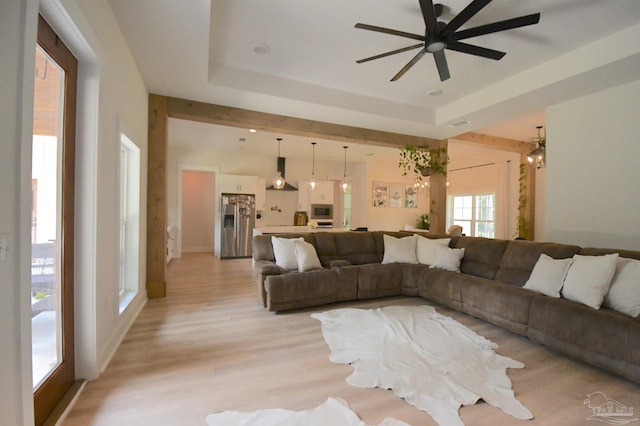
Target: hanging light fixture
x: 537, y: 157
x: 278, y: 181
x: 345, y: 183
x: 312, y: 181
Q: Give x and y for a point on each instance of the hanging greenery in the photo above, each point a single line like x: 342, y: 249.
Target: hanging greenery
x: 422, y: 161
x: 524, y: 230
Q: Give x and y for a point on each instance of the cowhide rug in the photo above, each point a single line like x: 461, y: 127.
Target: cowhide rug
x: 334, y: 411
x: 432, y: 361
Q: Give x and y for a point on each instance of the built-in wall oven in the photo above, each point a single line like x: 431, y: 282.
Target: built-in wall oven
x: 322, y: 214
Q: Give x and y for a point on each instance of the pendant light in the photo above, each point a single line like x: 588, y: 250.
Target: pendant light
x: 312, y: 181
x: 537, y: 156
x: 278, y: 181
x: 345, y: 183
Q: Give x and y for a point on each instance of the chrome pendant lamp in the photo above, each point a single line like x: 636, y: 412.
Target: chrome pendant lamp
x: 537, y: 157
x: 345, y: 183
x: 312, y: 181
x: 278, y: 180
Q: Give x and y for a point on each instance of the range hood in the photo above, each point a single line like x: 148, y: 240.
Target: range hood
x: 287, y: 186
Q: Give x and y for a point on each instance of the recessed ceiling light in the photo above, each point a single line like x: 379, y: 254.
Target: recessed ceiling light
x: 252, y: 130
x: 460, y: 123
x: 260, y: 48
x: 436, y: 92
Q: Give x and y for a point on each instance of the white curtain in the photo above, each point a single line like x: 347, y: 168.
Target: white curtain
x: 502, y: 200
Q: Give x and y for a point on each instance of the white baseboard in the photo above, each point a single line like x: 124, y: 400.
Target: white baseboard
x: 126, y: 320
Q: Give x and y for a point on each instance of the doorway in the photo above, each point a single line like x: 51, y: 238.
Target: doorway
x: 52, y: 222
x: 196, y: 209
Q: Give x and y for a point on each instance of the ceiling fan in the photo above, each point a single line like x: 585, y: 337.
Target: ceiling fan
x: 439, y: 35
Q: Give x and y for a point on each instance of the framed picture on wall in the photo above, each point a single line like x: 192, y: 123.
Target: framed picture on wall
x: 380, y: 194
x: 410, y: 196
x: 396, y: 194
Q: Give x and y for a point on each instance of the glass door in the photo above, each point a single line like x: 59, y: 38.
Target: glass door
x: 53, y: 157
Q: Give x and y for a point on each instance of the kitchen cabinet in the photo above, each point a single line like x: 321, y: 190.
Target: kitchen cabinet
x: 323, y: 193
x: 303, y: 196
x: 239, y: 184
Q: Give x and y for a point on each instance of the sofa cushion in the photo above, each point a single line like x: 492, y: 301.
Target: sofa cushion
x: 548, y: 275
x: 399, y: 250
x: 262, y: 249
x: 481, y: 256
x: 624, y: 293
x: 521, y: 256
x: 448, y: 258
x: 599, y: 337
x: 443, y: 287
x: 296, y: 290
x: 502, y: 304
x: 378, y: 280
x: 589, y: 278
x: 426, y: 248
x: 306, y: 256
x: 284, y: 252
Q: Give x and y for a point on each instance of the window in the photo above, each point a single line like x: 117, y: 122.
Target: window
x: 129, y: 220
x: 475, y: 213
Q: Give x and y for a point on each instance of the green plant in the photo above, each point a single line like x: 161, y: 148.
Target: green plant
x: 524, y: 230
x: 415, y: 159
x: 423, y: 221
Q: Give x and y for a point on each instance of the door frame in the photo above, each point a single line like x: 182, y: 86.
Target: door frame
x: 52, y: 390
x: 194, y: 168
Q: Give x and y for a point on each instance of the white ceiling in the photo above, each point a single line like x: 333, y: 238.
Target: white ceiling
x: 205, y: 50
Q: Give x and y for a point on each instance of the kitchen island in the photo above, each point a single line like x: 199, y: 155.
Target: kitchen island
x: 286, y: 229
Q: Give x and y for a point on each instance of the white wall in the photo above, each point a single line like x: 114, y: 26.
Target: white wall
x: 112, y: 97
x: 472, y: 175
x: 592, y: 169
x: 17, y: 30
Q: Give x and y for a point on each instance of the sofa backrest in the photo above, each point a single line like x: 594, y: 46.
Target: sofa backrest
x: 521, y: 256
x: 591, y: 251
x: 356, y: 247
x: 481, y: 255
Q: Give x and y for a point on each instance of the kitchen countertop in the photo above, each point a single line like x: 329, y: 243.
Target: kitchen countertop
x: 286, y: 229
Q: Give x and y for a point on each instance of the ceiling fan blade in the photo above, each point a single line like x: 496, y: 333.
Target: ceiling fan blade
x: 393, y: 52
x: 475, y: 50
x: 409, y: 65
x: 429, y: 16
x: 461, y: 18
x: 389, y: 31
x: 441, y: 64
x: 495, y: 27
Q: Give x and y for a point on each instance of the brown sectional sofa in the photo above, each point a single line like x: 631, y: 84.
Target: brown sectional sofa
x: 488, y: 287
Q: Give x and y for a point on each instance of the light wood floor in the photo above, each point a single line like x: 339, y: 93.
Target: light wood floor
x: 209, y: 346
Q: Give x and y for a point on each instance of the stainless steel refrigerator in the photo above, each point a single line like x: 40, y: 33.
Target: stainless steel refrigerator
x: 238, y: 212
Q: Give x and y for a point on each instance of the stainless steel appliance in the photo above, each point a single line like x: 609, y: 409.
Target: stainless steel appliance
x: 238, y: 212
x: 322, y: 212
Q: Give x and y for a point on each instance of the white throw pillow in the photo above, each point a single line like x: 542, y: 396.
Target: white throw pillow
x: 306, y: 256
x: 399, y: 250
x: 426, y: 248
x: 589, y: 278
x: 624, y: 293
x: 548, y: 275
x: 447, y: 258
x: 284, y: 252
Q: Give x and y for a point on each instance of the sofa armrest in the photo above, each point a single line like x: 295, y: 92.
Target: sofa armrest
x: 263, y: 269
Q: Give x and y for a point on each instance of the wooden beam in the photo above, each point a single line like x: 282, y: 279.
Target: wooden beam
x: 495, y: 142
x: 157, y: 197
x: 243, y: 118
x: 438, y: 197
